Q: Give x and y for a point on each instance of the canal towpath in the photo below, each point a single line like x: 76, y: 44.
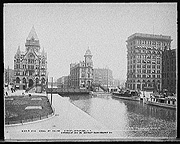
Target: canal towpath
x: 67, y: 119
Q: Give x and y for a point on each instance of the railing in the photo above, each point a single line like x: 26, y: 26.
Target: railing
x: 59, y: 90
x: 22, y: 121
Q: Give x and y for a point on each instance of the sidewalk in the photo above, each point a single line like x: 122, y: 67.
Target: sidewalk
x: 68, y: 119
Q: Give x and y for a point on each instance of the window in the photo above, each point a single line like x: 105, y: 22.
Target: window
x: 143, y: 71
x: 158, y: 62
x: 148, y: 71
x: 158, y: 66
x: 138, y: 66
x: 148, y: 66
x: 153, y: 66
x: 138, y: 70
x: 144, y: 76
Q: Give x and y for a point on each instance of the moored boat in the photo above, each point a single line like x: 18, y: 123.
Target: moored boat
x: 128, y: 95
x: 167, y: 102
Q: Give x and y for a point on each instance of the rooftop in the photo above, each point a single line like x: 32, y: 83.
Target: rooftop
x: 153, y: 36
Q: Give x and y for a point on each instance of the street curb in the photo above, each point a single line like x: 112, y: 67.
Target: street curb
x: 19, y: 124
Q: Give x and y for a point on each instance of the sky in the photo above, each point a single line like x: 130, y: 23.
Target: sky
x: 65, y: 31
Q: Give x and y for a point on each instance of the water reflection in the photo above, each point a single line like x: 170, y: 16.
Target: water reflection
x: 133, y: 119
x: 150, y: 111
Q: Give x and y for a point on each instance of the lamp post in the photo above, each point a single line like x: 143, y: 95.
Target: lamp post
x: 51, y: 90
x: 107, y: 79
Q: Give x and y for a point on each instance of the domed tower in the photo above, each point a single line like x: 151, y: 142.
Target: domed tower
x: 88, y: 68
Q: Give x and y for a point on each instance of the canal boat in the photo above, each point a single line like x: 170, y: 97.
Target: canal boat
x: 167, y: 102
x: 128, y: 95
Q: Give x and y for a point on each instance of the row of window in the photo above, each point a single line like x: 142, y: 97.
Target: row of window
x: 168, y: 68
x: 144, y: 61
x: 144, y: 76
x: 144, y: 66
x: 28, y: 73
x: 143, y: 71
x: 144, y: 81
x: 149, y: 42
x: 143, y: 57
x: 30, y: 61
x: 144, y: 51
x: 169, y: 82
x: 168, y: 75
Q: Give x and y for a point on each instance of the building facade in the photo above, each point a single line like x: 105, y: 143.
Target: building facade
x: 144, y: 60
x: 169, y: 70
x: 8, y: 76
x: 62, y: 82
x: 30, y: 67
x: 81, y: 74
x: 103, y: 76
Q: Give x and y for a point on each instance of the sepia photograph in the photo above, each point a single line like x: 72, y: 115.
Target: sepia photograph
x: 90, y: 72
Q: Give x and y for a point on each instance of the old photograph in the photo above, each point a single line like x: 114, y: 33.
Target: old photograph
x: 90, y: 71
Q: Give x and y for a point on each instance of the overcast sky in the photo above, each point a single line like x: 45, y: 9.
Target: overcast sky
x: 66, y: 30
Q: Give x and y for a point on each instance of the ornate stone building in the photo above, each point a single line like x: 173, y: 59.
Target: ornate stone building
x: 144, y: 60
x: 81, y: 74
x: 30, y: 67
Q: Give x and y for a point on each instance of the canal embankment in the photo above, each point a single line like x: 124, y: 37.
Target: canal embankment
x: 69, y: 122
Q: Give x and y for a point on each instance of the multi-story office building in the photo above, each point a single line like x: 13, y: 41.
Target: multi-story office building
x: 30, y: 67
x: 144, y: 58
x: 169, y: 70
x: 81, y: 74
x: 103, y: 76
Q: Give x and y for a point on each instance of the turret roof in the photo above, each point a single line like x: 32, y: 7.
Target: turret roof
x: 88, y: 52
x: 32, y: 34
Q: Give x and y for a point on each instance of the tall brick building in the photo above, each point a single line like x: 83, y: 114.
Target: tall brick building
x: 169, y: 70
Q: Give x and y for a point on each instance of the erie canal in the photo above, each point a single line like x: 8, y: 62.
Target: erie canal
x: 129, y: 118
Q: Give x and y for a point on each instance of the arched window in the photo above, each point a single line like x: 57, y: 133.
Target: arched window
x: 43, y: 81
x: 17, y: 80
x: 24, y: 80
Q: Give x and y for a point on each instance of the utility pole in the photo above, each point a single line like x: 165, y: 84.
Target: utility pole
x: 51, y: 90
x: 8, y: 75
x: 107, y: 79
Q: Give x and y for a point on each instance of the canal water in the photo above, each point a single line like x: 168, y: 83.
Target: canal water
x: 130, y: 118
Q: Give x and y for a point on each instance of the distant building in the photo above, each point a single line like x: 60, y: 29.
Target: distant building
x: 81, y: 74
x: 169, y: 70
x: 144, y: 60
x: 103, y: 76
x: 30, y: 67
x: 9, y: 76
x: 62, y: 82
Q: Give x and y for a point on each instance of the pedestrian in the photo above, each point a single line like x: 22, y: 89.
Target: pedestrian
x: 12, y: 90
x: 6, y: 93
